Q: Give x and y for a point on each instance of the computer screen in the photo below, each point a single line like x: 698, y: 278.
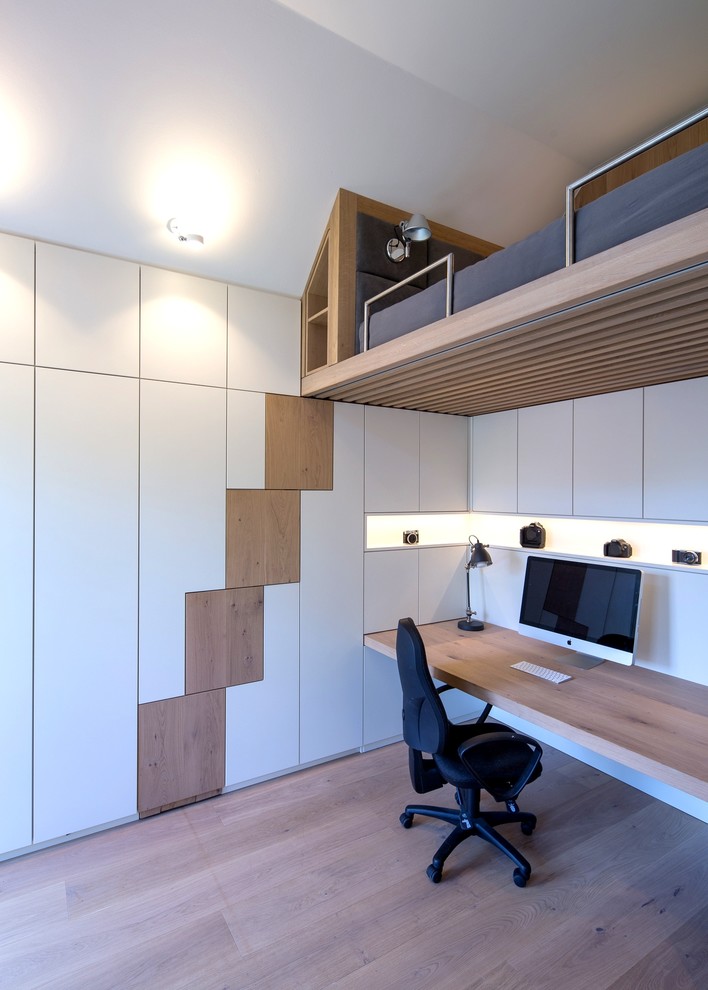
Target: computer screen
x: 590, y: 608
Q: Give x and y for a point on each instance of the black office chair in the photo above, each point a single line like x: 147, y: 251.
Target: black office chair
x: 472, y: 758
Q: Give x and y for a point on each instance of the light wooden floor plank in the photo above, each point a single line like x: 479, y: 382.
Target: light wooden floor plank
x: 680, y: 962
x: 309, y: 882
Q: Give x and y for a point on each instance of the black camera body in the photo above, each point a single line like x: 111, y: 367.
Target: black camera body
x: 533, y: 535
x: 617, y: 548
x: 686, y: 556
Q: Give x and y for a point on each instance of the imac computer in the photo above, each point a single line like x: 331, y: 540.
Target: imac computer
x: 590, y: 608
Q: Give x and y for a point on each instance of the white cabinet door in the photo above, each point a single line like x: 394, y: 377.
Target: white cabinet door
x: 441, y: 583
x: 415, y: 461
x: 607, y: 455
x: 331, y: 599
x: 546, y: 459
x: 253, y: 748
x: 183, y: 328
x: 392, y: 460
x: 87, y: 312
x: 182, y: 520
x: 383, y: 700
x: 494, y: 481
x: 390, y: 587
x: 86, y: 594
x: 676, y: 450
x: 443, y: 463
x: 16, y: 554
x: 17, y: 295
x: 264, y: 342
x: 245, y: 439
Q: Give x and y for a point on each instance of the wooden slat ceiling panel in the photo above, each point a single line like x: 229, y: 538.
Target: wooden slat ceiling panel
x: 651, y: 333
x: 503, y: 361
x: 593, y: 326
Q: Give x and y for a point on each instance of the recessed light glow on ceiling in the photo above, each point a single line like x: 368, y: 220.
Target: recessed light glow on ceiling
x: 192, y: 189
x: 14, y: 144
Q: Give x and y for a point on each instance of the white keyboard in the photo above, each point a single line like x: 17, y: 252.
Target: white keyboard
x: 554, y: 676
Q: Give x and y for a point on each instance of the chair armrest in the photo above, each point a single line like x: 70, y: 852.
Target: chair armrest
x: 500, y: 741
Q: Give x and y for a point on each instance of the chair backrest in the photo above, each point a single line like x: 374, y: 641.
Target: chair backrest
x: 425, y: 724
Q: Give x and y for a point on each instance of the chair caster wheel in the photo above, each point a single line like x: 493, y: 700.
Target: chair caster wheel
x: 526, y: 828
x: 520, y: 877
x: 406, y: 820
x: 434, y: 873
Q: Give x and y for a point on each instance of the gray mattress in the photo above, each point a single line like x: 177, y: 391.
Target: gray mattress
x: 667, y: 193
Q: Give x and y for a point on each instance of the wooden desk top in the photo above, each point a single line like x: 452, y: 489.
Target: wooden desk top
x: 651, y: 722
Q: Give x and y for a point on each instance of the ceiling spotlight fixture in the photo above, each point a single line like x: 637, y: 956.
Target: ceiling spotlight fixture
x: 415, y: 229
x: 191, y: 240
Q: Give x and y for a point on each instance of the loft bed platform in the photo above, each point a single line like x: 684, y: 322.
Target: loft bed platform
x: 633, y: 315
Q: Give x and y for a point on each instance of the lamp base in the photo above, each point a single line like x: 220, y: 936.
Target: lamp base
x: 470, y: 625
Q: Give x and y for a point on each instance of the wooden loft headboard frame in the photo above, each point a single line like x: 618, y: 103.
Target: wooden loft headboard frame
x: 631, y: 316
x: 328, y: 303
x: 693, y: 139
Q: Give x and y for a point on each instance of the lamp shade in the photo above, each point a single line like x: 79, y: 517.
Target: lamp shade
x: 417, y: 228
x: 479, y: 555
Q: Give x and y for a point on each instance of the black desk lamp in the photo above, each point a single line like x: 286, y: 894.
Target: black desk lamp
x: 478, y: 557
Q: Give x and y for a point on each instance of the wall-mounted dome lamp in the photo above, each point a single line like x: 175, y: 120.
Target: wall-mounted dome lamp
x: 195, y: 241
x: 415, y: 229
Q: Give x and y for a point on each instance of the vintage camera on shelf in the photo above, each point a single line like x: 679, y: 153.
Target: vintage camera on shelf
x: 617, y: 548
x: 686, y: 556
x: 533, y: 535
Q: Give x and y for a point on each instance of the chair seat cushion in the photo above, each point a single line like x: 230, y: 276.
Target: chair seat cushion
x: 498, y: 768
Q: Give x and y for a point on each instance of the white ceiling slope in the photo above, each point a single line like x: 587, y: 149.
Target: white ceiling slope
x: 248, y: 115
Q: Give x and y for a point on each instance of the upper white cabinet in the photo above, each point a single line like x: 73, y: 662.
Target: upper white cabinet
x: 264, y: 342
x: 675, y: 450
x: 17, y: 295
x: 87, y: 312
x: 415, y: 462
x: 183, y: 328
x: 494, y: 465
x: 607, y: 455
x: 546, y: 459
x: 634, y: 454
x: 443, y: 463
x: 392, y: 460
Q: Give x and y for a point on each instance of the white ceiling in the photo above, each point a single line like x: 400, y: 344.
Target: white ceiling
x: 116, y: 115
